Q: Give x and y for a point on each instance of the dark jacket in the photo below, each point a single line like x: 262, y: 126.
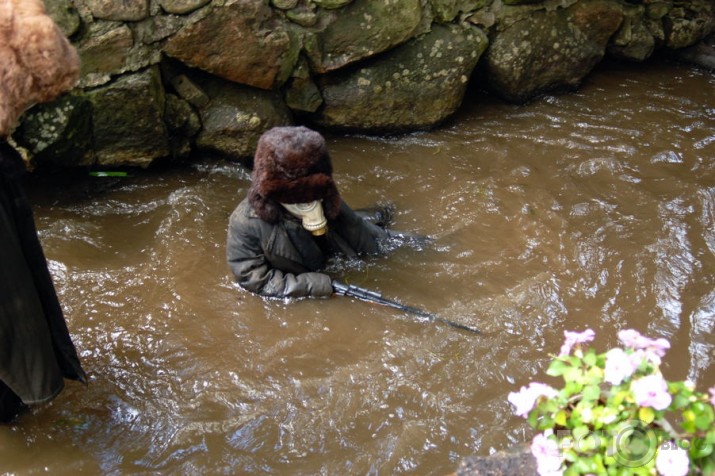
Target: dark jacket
x: 284, y: 259
x: 36, y: 350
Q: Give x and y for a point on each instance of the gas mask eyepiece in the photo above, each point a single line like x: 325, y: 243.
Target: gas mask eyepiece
x: 311, y: 215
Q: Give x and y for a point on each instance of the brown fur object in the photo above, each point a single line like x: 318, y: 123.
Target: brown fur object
x: 37, y: 62
x: 292, y: 165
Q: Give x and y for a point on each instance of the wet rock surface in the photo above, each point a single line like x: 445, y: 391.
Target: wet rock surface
x: 376, y: 67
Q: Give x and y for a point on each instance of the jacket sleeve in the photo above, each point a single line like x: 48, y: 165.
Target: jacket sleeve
x: 363, y: 237
x: 254, y: 272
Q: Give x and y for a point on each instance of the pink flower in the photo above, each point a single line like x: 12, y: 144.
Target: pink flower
x: 526, y: 397
x: 712, y: 396
x: 548, y: 456
x: 672, y: 462
x: 634, y: 340
x: 651, y: 391
x: 619, y: 366
x: 573, y: 338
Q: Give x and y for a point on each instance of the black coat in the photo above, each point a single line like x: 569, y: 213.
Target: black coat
x: 36, y: 350
x: 284, y: 259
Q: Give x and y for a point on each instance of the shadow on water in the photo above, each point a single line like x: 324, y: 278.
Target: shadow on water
x: 592, y: 209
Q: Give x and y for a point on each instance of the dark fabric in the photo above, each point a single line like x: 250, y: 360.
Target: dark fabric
x: 284, y: 260
x: 10, y: 404
x: 36, y: 350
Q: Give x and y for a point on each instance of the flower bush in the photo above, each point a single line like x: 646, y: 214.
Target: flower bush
x: 616, y: 414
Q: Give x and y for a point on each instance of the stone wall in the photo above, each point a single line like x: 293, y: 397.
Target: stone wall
x: 162, y: 79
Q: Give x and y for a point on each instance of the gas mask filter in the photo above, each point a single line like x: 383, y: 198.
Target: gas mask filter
x: 311, y: 214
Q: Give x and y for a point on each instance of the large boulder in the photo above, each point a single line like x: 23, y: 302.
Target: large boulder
x: 414, y: 86
x: 236, y: 116
x: 59, y: 132
x: 364, y: 28
x: 688, y: 22
x: 638, y: 35
x: 540, y: 50
x: 244, y: 42
x: 128, y: 120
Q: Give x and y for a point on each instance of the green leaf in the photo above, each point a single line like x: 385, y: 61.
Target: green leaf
x: 646, y: 415
x: 703, y: 416
x: 573, y: 374
x: 580, y: 432
x: 557, y: 368
x: 680, y: 401
x: 591, y: 392
x: 572, y: 388
x: 561, y: 418
x: 710, y: 437
x: 700, y: 449
x: 590, y: 358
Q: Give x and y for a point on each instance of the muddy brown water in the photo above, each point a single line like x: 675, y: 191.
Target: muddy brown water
x: 590, y: 209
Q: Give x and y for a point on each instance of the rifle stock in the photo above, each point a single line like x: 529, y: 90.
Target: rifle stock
x: 368, y: 295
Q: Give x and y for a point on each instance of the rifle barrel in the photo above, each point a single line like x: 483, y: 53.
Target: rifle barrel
x: 376, y: 297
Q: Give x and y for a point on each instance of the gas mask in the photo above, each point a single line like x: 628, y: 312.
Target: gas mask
x: 311, y: 214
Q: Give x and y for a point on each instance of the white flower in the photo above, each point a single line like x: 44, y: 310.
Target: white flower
x: 526, y: 397
x: 548, y: 456
x: 619, y: 366
x: 651, y: 391
x: 672, y: 462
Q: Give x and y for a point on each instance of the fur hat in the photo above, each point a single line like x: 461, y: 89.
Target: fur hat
x: 292, y: 165
x: 37, y: 62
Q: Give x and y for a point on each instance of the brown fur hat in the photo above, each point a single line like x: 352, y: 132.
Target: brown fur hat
x: 292, y: 165
x: 37, y: 62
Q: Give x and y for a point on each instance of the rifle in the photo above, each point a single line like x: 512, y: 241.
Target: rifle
x: 363, y: 294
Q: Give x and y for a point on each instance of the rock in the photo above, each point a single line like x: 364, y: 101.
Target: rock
x: 181, y: 7
x: 284, y: 4
x: 105, y: 53
x: 547, y: 49
x: 64, y: 14
x: 517, y: 461
x: 484, y: 19
x: 183, y: 124
x: 701, y: 54
x: 157, y: 28
x: 331, y: 4
x: 364, y: 28
x: 689, y: 22
x: 128, y: 119
x: 244, y: 42
x: 189, y: 90
x: 414, y: 86
x: 303, y: 95
x: 236, y: 116
x: 635, y: 39
x: 304, y: 15
x: 58, y: 133
x: 447, y: 10
x: 124, y: 10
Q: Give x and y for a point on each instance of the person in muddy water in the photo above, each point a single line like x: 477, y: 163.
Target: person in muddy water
x: 293, y: 220
x: 37, y: 63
